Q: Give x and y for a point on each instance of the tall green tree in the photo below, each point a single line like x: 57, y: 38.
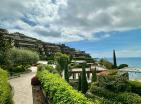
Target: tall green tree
x: 5, y: 45
x: 79, y: 83
x: 66, y: 72
x: 62, y: 62
x: 94, y: 76
x: 114, y: 59
x: 84, y: 83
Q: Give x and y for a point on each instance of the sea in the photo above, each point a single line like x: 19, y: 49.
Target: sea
x: 131, y: 61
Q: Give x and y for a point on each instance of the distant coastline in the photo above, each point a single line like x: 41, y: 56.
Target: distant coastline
x: 131, y: 61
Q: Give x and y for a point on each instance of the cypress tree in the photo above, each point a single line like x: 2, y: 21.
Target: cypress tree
x: 84, y: 83
x: 94, y: 76
x: 114, y: 59
x: 66, y: 73
x: 79, y: 83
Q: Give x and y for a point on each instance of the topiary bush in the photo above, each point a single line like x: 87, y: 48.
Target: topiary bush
x: 59, y: 91
x: 5, y: 93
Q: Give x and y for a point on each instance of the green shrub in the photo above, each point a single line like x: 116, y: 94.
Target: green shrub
x: 23, y: 57
x: 102, y: 92
x: 62, y: 62
x: 87, y: 59
x: 115, y: 83
x: 79, y: 83
x: 5, y: 93
x: 59, y: 91
x: 19, y: 68
x: 123, y: 98
x: 50, y: 61
x: 122, y: 66
x: 94, y: 76
x: 129, y: 98
x: 135, y: 87
x: 47, y: 67
x: 106, y: 63
x: 106, y: 101
x: 112, y: 72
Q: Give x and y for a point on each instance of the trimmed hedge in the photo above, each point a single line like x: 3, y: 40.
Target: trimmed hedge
x: 5, y: 93
x: 59, y: 91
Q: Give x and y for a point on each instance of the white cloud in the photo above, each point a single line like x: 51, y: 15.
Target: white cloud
x: 69, y: 20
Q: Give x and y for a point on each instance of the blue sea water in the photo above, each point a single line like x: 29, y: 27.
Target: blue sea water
x: 132, y: 61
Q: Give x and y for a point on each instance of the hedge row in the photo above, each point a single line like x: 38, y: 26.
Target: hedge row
x: 5, y: 93
x: 59, y: 91
x: 123, y: 98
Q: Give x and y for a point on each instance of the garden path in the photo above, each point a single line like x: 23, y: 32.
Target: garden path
x: 22, y: 88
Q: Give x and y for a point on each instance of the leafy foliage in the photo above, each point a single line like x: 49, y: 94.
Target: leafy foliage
x: 5, y: 94
x: 106, y: 63
x: 116, y: 89
x: 49, y: 68
x: 114, y: 83
x: 60, y: 92
x: 84, y: 83
x: 20, y: 68
x: 129, y: 98
x: 122, y: 98
x: 66, y: 73
x: 135, y: 86
x: 5, y: 45
x: 122, y: 66
x: 62, y: 61
x: 94, y: 76
x: 79, y: 83
x: 23, y: 57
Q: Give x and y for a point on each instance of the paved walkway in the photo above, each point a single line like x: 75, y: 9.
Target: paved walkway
x: 22, y: 88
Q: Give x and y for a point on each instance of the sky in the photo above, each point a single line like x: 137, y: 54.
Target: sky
x: 95, y: 26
